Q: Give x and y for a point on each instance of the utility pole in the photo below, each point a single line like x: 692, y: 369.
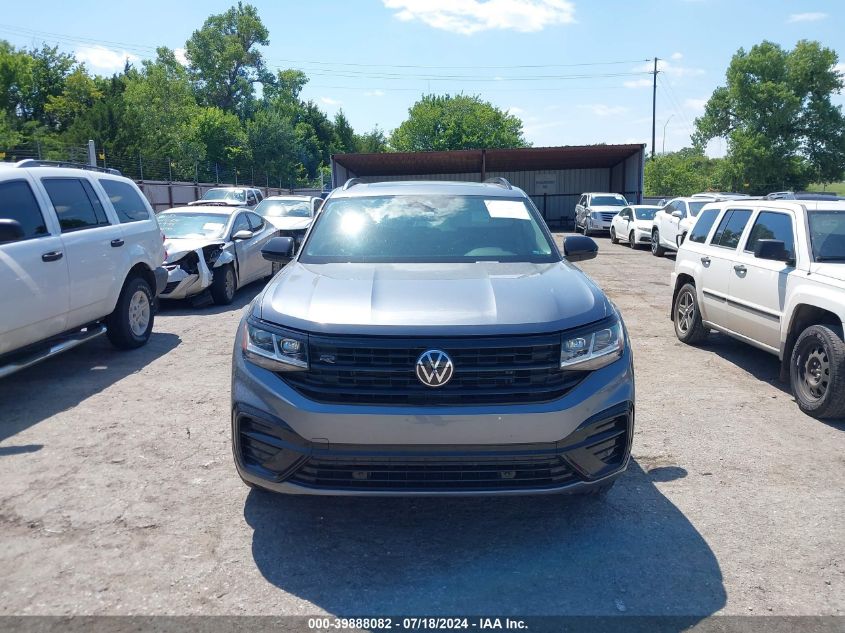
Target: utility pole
x: 654, y: 110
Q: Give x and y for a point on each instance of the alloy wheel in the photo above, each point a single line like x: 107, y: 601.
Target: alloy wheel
x: 685, y: 311
x: 139, y: 313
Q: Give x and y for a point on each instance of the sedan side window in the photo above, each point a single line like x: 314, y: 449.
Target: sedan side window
x: 17, y: 202
x: 731, y: 228
x: 772, y: 226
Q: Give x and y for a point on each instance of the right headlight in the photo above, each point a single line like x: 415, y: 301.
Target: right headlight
x: 592, y: 348
x: 276, y: 349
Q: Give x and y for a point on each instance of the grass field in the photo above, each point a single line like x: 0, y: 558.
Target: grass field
x: 837, y: 187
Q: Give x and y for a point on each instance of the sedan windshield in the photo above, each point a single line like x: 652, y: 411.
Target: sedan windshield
x: 645, y: 214
x: 192, y: 225
x: 427, y: 229
x: 225, y: 194
x: 284, y: 208
x: 608, y: 201
x: 827, y: 235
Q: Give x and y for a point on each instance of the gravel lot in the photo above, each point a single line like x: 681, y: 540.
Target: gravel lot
x: 118, y: 495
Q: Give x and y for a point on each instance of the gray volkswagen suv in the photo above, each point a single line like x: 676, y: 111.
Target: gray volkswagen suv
x: 429, y: 338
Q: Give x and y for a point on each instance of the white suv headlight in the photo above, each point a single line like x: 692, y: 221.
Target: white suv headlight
x: 592, y: 349
x: 276, y: 350
x: 595, y: 215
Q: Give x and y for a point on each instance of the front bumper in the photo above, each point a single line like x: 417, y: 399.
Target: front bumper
x: 182, y: 284
x: 161, y: 279
x: 642, y: 236
x: 285, y: 442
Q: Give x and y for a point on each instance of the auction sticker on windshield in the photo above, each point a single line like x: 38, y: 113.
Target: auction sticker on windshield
x: 514, y: 209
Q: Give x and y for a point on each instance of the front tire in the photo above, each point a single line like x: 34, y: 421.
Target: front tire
x: 656, y: 249
x: 687, y: 317
x: 817, y: 372
x: 613, y: 238
x: 631, y: 242
x: 223, y: 285
x: 131, y: 323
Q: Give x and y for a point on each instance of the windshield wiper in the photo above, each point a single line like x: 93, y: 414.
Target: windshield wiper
x: 830, y: 258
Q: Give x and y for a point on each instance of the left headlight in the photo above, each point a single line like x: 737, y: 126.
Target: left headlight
x: 592, y: 349
x: 595, y: 215
x: 276, y: 349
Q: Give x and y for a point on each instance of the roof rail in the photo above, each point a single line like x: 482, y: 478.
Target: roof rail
x: 499, y: 181
x: 351, y: 183
x: 32, y: 162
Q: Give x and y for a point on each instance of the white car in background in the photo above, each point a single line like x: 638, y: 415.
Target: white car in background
x: 292, y: 215
x: 674, y: 221
x: 231, y: 196
x: 633, y: 224
x: 214, y: 248
x: 595, y: 211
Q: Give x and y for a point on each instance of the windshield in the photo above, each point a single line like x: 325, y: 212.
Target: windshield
x: 827, y: 235
x: 225, y: 194
x: 181, y: 225
x: 645, y: 214
x: 695, y: 207
x: 608, y: 201
x: 284, y: 208
x: 427, y: 229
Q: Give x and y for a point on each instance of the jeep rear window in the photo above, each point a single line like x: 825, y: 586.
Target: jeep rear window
x: 428, y: 229
x: 827, y: 235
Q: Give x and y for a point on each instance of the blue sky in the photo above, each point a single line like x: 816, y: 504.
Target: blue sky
x: 548, y: 61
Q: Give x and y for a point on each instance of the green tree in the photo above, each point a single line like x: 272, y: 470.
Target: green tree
x: 79, y: 94
x: 775, y: 110
x: 272, y: 144
x: 444, y: 122
x: 681, y: 173
x: 225, y: 61
x: 372, y: 142
x: 222, y: 136
x: 344, y: 133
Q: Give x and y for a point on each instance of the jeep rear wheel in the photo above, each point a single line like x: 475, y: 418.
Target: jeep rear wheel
x: 817, y: 372
x: 687, y: 317
x: 131, y: 323
x: 656, y: 249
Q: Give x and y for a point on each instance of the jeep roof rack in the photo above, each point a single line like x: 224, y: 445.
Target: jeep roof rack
x: 33, y: 162
x: 352, y: 182
x: 499, y: 182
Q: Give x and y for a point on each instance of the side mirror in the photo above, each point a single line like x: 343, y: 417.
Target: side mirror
x: 677, y: 214
x: 278, y: 249
x: 243, y: 234
x: 577, y: 248
x: 774, y: 250
x: 10, y: 231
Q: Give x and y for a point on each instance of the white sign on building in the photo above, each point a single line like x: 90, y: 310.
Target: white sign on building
x: 545, y: 182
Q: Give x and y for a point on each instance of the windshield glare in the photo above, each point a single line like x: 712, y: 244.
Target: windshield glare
x: 225, y: 194
x: 192, y: 225
x: 608, y: 201
x: 427, y: 229
x: 827, y: 235
x: 284, y: 208
x: 645, y: 214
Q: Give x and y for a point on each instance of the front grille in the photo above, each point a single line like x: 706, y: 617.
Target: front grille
x: 381, y: 371
x: 435, y: 473
x: 607, y: 217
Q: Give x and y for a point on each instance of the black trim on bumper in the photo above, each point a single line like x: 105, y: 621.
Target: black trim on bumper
x: 267, y: 448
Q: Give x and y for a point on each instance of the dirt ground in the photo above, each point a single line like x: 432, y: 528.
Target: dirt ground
x: 118, y: 495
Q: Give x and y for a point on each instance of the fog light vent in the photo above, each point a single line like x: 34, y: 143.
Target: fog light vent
x: 360, y: 475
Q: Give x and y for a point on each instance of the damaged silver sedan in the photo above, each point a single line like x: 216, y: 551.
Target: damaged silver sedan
x: 213, y: 250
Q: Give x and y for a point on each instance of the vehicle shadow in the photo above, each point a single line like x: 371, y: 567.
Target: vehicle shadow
x: 200, y: 307
x: 62, y: 382
x: 632, y: 552
x: 762, y: 365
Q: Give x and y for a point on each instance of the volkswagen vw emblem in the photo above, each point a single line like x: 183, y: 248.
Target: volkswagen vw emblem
x: 434, y: 368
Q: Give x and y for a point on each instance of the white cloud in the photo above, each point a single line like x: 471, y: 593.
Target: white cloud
x: 812, y: 16
x: 638, y: 83
x: 601, y: 109
x: 374, y: 93
x: 331, y: 102
x: 515, y: 111
x: 696, y: 105
x: 104, y: 60
x: 664, y: 66
x: 471, y: 16
x: 677, y: 56
x: 839, y: 68
x: 181, y: 56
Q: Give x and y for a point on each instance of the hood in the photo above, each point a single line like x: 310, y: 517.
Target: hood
x: 453, y: 299
x: 288, y: 223
x: 605, y: 209
x: 832, y: 270
x: 176, y: 248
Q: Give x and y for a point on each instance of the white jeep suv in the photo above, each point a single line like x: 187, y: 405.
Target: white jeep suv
x: 772, y: 274
x: 80, y: 256
x: 673, y: 222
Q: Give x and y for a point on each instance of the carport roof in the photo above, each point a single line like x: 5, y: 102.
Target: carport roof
x: 491, y: 160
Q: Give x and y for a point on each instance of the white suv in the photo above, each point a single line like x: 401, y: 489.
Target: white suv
x: 772, y: 274
x: 80, y: 256
x: 673, y: 222
x: 595, y: 211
